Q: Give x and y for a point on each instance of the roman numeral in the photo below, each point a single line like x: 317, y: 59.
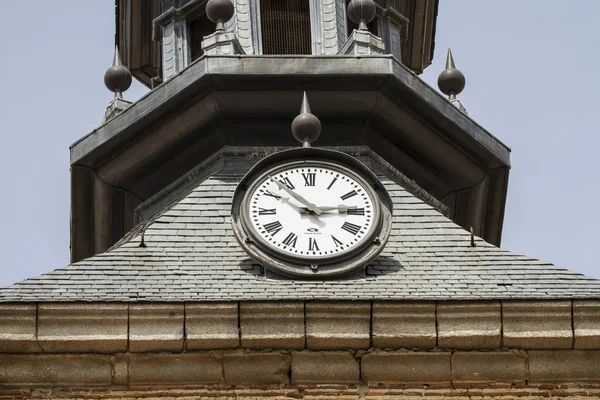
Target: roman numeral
x: 312, y: 244
x: 273, y: 227
x: 309, y: 178
x: 355, y: 211
x: 336, y: 241
x: 349, y: 194
x: 290, y: 240
x: 286, y: 181
x: 331, y: 184
x: 352, y: 228
x: 266, y: 211
x: 267, y: 193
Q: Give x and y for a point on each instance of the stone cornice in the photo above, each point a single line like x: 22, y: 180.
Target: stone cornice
x: 178, y: 327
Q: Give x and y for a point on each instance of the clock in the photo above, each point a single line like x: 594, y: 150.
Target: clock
x: 311, y: 212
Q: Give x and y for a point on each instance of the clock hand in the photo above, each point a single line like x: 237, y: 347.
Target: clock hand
x: 296, y: 196
x: 340, y: 208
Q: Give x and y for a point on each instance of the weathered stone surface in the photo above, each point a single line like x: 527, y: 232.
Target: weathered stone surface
x: 537, y: 324
x: 256, y: 368
x: 324, y: 367
x: 79, y: 327
x: 338, y: 325
x: 586, y: 324
x: 484, y: 367
x: 406, y: 367
x: 404, y: 325
x: 66, y: 370
x: 211, y: 326
x: 155, y: 327
x: 174, y: 369
x: 17, y: 328
x: 272, y: 325
x: 564, y: 366
x: 469, y: 325
x: 120, y: 369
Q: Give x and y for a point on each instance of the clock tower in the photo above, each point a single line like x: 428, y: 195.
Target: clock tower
x: 217, y: 255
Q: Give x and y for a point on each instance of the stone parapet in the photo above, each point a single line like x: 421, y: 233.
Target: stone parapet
x: 407, y: 367
x: 586, y: 324
x: 18, y: 325
x: 315, y: 367
x: 155, y: 327
x: 211, y: 326
x: 407, y: 325
x: 338, y: 325
x: 270, y: 325
x: 466, y: 325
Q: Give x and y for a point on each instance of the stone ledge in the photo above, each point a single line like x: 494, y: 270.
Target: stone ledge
x: 174, y: 369
x: 269, y: 325
x: 211, y: 326
x: 478, y: 367
x: 83, y: 328
x: 155, y: 327
x: 586, y: 324
x: 564, y: 366
x: 408, y: 325
x: 338, y: 325
x: 17, y: 328
x: 406, y: 367
x: 324, y: 367
x: 241, y: 368
x: 537, y: 324
x: 469, y: 325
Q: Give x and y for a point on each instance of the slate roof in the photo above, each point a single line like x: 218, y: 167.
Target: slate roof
x: 192, y: 255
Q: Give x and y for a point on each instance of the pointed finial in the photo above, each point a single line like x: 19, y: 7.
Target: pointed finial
x: 362, y: 12
x: 219, y: 12
x: 117, y: 78
x: 306, y: 127
x: 451, y: 81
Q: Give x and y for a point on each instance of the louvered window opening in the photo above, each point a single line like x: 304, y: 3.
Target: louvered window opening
x: 199, y: 28
x: 285, y: 26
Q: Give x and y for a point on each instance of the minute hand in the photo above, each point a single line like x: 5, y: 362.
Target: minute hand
x: 296, y: 196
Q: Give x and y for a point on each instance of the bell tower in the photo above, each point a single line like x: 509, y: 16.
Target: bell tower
x: 230, y: 72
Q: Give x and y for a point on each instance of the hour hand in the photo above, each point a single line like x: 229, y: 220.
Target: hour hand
x: 296, y: 196
x: 340, y: 208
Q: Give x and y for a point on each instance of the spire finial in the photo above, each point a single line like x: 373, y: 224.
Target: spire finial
x: 117, y: 78
x: 362, y: 12
x: 219, y: 12
x: 306, y: 127
x: 451, y: 81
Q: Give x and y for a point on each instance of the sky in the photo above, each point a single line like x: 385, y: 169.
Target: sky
x: 532, y: 81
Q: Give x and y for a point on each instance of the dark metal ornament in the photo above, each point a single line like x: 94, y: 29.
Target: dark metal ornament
x: 362, y: 12
x: 327, y: 266
x: 219, y: 12
x: 117, y: 78
x: 306, y: 127
x: 451, y: 81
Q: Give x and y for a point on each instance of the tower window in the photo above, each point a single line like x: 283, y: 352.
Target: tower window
x: 285, y: 26
x: 199, y: 27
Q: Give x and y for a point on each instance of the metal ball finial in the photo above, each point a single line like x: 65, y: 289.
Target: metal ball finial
x: 362, y: 12
x: 306, y: 127
x: 219, y: 12
x: 451, y: 81
x: 117, y: 78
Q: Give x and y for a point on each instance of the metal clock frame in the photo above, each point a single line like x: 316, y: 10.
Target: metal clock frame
x: 330, y: 265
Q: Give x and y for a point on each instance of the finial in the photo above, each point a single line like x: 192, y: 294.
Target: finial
x: 362, y: 12
x: 219, y: 12
x: 117, y: 78
x: 451, y: 81
x: 306, y: 128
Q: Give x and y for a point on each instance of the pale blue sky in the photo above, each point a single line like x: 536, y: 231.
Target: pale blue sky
x: 532, y: 80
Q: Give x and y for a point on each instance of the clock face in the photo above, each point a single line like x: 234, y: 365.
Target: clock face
x: 311, y: 211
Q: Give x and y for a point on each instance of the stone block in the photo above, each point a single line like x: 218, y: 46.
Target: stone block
x: 338, y: 325
x: 586, y: 324
x: 406, y: 367
x: 564, y: 366
x: 469, y: 325
x: 266, y: 325
x: 174, y: 369
x: 120, y: 370
x: 241, y: 368
x: 404, y: 325
x: 55, y: 370
x: 537, y: 324
x: 17, y: 328
x: 324, y: 367
x: 211, y: 326
x: 484, y: 367
x: 82, y: 328
x: 155, y: 327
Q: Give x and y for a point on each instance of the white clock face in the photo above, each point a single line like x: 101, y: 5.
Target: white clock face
x: 311, y: 212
